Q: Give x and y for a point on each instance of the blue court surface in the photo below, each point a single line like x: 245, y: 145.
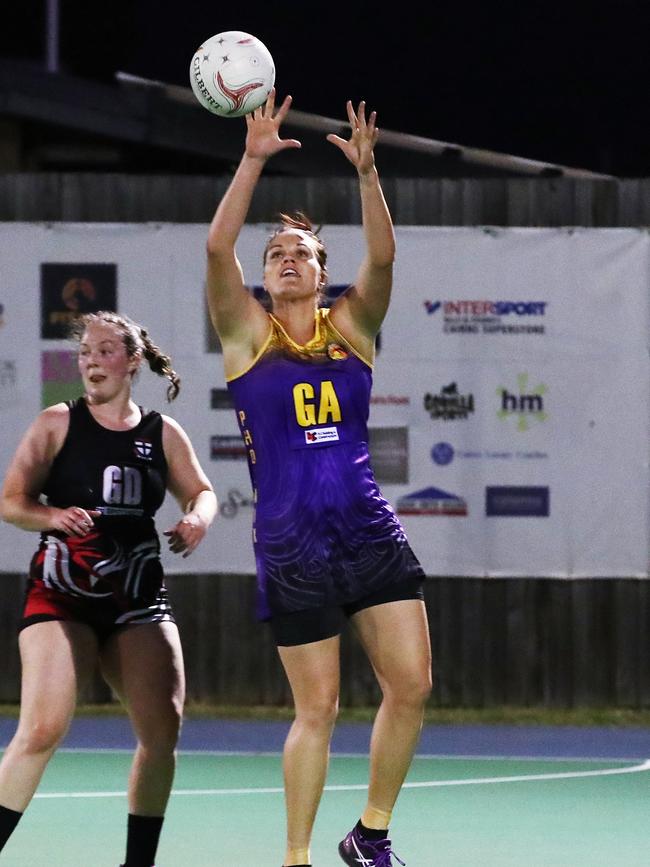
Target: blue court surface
x: 476, y: 796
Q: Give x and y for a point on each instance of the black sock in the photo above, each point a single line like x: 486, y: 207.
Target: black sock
x: 143, y: 833
x: 371, y: 833
x: 8, y: 821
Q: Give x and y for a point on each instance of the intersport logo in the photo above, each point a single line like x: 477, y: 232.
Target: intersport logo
x: 463, y: 316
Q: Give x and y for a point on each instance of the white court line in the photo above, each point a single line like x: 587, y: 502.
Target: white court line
x: 275, y: 790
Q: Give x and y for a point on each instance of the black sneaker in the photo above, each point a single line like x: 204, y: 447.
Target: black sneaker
x: 357, y: 852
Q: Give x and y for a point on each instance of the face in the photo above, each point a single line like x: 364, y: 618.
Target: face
x: 291, y: 267
x: 106, y: 369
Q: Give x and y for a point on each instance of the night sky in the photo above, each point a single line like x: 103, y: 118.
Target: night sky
x: 560, y: 82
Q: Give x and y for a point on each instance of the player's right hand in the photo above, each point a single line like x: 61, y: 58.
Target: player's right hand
x: 74, y: 521
x: 263, y: 127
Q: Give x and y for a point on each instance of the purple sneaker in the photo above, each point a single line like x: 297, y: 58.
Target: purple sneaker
x: 357, y: 852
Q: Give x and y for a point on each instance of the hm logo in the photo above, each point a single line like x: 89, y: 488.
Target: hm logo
x: 527, y: 404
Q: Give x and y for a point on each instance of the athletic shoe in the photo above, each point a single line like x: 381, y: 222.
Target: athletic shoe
x: 357, y: 852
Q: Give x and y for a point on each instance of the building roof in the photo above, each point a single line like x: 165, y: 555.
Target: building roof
x: 56, y: 122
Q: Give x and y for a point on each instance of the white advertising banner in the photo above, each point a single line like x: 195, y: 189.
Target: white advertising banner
x: 509, y: 423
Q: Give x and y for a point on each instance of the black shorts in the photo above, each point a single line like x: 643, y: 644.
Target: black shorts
x: 317, y: 624
x: 103, y: 616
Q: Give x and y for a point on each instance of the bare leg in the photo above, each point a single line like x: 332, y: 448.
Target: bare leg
x: 144, y: 665
x: 313, y: 672
x: 395, y: 636
x: 57, y: 660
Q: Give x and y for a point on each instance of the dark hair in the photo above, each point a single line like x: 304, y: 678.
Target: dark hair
x: 300, y: 221
x: 136, y: 340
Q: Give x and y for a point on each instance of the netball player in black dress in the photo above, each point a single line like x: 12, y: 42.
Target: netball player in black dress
x: 89, y: 476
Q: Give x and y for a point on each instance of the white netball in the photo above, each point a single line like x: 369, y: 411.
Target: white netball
x: 232, y: 73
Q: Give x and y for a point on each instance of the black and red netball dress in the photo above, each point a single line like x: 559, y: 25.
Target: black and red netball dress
x: 112, y: 576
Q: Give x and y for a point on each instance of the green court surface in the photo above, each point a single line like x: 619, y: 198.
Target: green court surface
x: 228, y: 809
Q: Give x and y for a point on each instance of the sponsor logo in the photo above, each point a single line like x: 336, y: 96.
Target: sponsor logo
x: 489, y: 317
x: 336, y: 352
x: 525, y: 404
x: 449, y: 405
x: 69, y: 290
x: 8, y: 375
x: 143, y: 449
x: 389, y: 454
x: 431, y: 501
x: 390, y: 399
x: 8, y: 383
x: 517, y: 501
x: 227, y: 448
x: 220, y: 399
x: 233, y: 502
x: 443, y: 454
x: 60, y: 379
x: 321, y: 435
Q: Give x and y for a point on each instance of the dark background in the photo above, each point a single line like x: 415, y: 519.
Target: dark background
x: 558, y: 82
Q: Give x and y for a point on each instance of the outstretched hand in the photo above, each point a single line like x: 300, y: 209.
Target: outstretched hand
x: 360, y: 147
x: 263, y: 135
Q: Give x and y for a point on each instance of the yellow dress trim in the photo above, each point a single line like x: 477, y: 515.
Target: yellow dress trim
x: 322, y: 324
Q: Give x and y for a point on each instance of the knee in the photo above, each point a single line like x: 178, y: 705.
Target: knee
x: 319, y: 712
x: 411, y: 690
x: 40, y: 737
x: 159, y: 735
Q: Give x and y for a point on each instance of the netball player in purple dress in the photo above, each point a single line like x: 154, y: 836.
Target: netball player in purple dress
x: 327, y: 544
x: 95, y: 591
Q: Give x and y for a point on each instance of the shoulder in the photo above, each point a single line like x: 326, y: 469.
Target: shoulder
x: 53, y: 419
x: 362, y: 343
x: 173, y: 433
x: 46, y: 434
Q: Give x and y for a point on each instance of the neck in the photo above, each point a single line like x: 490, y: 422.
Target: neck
x: 297, y: 319
x: 119, y: 413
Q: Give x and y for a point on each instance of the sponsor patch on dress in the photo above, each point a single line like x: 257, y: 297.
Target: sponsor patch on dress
x: 321, y: 435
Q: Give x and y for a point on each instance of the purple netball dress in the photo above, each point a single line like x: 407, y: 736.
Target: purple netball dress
x: 323, y: 534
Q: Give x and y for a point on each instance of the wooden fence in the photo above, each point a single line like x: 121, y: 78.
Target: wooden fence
x: 80, y: 197
x: 522, y: 642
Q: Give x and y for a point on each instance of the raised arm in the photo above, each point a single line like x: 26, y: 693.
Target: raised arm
x: 238, y: 318
x: 360, y: 312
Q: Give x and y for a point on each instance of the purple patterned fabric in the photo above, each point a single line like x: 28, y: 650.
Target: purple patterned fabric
x: 323, y: 533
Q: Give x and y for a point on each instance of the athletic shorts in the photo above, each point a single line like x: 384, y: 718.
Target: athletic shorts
x: 104, y: 580
x: 317, y: 624
x: 103, y: 616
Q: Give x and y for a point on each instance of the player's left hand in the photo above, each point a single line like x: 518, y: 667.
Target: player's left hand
x: 186, y: 534
x: 359, y: 149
